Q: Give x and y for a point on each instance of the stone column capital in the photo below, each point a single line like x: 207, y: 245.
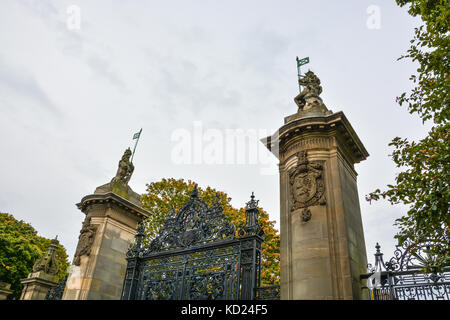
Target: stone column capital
x: 319, y: 131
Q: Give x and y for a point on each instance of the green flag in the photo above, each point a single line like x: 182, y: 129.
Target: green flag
x: 137, y: 135
x: 302, y: 62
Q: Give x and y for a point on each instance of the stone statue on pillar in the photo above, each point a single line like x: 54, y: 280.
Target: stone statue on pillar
x: 48, y: 263
x: 119, y: 184
x: 43, y: 277
x: 125, y: 169
x: 309, y: 101
x: 309, y: 97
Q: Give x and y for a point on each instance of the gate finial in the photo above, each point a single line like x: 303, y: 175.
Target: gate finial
x: 252, y: 215
x: 194, y: 193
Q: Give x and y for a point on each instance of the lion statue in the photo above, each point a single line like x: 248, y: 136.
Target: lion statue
x: 309, y: 97
x: 125, y: 169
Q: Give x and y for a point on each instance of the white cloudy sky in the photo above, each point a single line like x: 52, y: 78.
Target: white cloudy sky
x: 70, y: 100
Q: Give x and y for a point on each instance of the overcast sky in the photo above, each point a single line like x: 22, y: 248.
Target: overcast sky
x: 74, y: 91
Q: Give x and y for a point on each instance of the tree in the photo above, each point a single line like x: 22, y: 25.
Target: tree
x: 20, y: 247
x: 170, y: 193
x: 423, y: 183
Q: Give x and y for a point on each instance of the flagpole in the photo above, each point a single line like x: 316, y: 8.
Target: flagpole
x: 301, y: 62
x: 137, y: 140
x: 298, y: 74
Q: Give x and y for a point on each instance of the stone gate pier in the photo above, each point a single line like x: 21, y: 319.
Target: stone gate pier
x: 43, y: 276
x: 113, y: 213
x: 322, y: 241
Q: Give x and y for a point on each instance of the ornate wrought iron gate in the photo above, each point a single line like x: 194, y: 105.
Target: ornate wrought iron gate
x: 402, y: 278
x: 197, y: 256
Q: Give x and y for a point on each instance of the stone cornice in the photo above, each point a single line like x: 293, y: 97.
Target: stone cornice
x: 40, y: 280
x: 112, y: 198
x: 335, y: 124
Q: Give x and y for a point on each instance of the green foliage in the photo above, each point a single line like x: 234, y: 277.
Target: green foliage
x: 423, y: 183
x: 430, y: 48
x: 170, y: 193
x: 20, y: 247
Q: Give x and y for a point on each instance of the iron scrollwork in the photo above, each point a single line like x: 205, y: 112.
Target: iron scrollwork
x: 268, y: 293
x: 209, y: 286
x: 196, y: 256
x: 195, y: 224
x: 402, y: 277
x: 405, y: 258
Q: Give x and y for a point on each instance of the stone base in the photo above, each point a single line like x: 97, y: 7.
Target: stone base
x: 36, y: 286
x: 5, y: 290
x: 320, y: 110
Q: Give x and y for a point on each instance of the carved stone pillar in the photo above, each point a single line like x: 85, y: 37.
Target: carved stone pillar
x: 36, y: 286
x: 43, y: 277
x: 113, y: 213
x: 322, y: 240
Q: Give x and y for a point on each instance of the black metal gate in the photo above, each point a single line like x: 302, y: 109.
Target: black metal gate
x: 197, y: 255
x: 402, y: 277
x: 57, y: 291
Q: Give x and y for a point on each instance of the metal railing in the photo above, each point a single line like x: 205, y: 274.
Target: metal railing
x: 403, y: 276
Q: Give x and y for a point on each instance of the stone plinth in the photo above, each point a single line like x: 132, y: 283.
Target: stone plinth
x: 322, y: 241
x: 108, y: 230
x: 5, y: 290
x: 36, y: 286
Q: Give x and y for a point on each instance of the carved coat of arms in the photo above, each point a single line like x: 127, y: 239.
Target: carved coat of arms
x: 85, y: 240
x: 306, y: 183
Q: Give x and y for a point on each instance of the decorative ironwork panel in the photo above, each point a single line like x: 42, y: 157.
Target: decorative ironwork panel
x: 268, y: 293
x: 196, y: 256
x: 200, y: 275
x: 421, y: 287
x: 195, y: 224
x: 402, y: 277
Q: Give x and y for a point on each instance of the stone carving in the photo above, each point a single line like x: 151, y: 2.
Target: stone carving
x: 309, y: 97
x: 306, y: 215
x: 48, y: 263
x: 125, y: 169
x: 306, y: 182
x: 85, y: 240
